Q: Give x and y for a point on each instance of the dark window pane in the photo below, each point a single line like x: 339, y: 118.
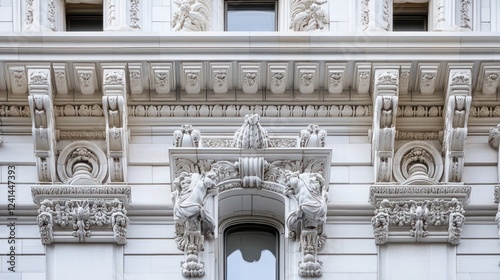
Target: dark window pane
x: 84, y: 23
x: 250, y: 16
x: 409, y: 23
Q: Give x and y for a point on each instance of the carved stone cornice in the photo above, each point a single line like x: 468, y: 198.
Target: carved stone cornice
x: 418, y: 213
x: 68, y: 213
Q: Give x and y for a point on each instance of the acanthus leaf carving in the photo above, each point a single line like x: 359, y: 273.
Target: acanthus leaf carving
x: 418, y: 216
x: 307, y: 15
x: 193, y: 15
x: 80, y: 215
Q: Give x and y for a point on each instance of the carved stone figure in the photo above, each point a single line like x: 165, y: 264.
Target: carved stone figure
x: 307, y: 15
x: 251, y: 135
x: 307, y: 222
x: 193, y: 15
x: 192, y: 221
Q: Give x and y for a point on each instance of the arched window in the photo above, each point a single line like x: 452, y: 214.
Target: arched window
x: 251, y: 252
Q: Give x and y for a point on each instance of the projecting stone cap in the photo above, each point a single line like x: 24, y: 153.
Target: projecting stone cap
x: 67, y: 213
x: 418, y: 213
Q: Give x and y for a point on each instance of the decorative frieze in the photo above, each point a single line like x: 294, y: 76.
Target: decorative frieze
x: 308, y: 15
x: 68, y: 213
x: 242, y: 110
x: 420, y: 111
x: 418, y: 213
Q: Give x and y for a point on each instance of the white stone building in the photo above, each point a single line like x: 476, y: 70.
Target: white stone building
x: 314, y: 139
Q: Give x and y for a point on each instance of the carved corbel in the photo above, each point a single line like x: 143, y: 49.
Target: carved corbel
x: 307, y: 223
x: 193, y: 223
x: 115, y: 112
x: 384, y: 122
x: 63, y: 210
x: 455, y: 125
x: 42, y: 118
x: 312, y: 136
x: 187, y: 136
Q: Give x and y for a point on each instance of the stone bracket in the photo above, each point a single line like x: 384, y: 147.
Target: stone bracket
x: 69, y: 213
x: 458, y: 105
x: 418, y: 213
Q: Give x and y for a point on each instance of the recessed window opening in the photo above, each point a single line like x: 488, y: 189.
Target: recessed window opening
x: 251, y: 252
x: 84, y: 17
x: 410, y: 16
x: 251, y: 15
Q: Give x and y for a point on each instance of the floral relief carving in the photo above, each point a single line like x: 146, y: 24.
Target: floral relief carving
x: 192, y: 79
x: 86, y: 79
x: 419, y: 216
x: 250, y: 78
x: 39, y: 77
x: 193, y: 15
x: 306, y: 79
x: 388, y: 78
x: 51, y: 15
x: 81, y: 215
x: 134, y: 14
x: 28, y: 13
x: 365, y: 14
x: 220, y: 79
x: 277, y: 79
x: 307, y: 15
x: 113, y: 78
x: 465, y: 14
x: 460, y: 78
x: 335, y: 79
